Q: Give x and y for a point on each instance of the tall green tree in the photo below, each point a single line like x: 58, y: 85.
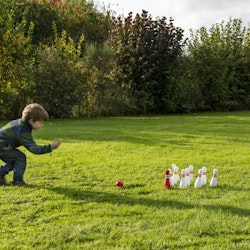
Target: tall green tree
x: 38, y: 65
x: 42, y: 14
x: 59, y: 75
x: 75, y: 17
x: 79, y: 17
x: 147, y: 55
x: 15, y: 54
x: 215, y: 60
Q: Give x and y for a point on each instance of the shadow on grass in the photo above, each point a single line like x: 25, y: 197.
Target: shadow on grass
x: 122, y: 199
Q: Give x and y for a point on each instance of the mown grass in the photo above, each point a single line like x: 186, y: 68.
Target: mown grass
x: 72, y: 202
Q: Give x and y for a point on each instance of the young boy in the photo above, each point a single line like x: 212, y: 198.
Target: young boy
x: 19, y: 133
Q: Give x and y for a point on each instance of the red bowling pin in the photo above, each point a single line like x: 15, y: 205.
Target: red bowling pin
x: 167, y: 182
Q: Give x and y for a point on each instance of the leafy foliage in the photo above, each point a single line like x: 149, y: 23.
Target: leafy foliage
x: 147, y: 53
x: 39, y: 61
x: 216, y: 61
x: 15, y: 54
x: 78, y: 61
x: 104, y: 95
x: 75, y: 17
x: 58, y: 76
x: 81, y: 17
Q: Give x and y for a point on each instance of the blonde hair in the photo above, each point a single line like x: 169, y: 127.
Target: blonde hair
x: 36, y: 112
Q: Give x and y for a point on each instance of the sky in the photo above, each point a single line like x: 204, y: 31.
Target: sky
x: 187, y: 14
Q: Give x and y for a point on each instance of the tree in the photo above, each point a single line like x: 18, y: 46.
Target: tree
x: 75, y: 17
x: 15, y: 53
x: 147, y: 54
x: 81, y: 17
x: 37, y: 64
x: 215, y: 57
x: 59, y: 76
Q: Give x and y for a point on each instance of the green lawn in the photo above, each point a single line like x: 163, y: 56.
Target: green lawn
x: 72, y: 202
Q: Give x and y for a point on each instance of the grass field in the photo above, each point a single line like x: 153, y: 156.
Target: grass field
x: 72, y: 202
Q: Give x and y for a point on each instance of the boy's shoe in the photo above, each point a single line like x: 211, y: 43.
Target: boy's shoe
x: 3, y: 182
x: 19, y: 183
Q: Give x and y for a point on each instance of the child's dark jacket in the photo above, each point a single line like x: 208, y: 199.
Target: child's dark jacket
x: 19, y: 133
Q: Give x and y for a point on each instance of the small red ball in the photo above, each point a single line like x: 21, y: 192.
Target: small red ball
x: 119, y: 184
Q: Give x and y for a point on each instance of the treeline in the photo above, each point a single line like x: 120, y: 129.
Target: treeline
x: 80, y: 61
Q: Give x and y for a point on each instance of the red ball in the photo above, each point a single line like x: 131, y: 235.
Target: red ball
x: 119, y: 184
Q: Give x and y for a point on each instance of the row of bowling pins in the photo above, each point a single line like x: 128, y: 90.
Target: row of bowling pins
x: 187, y: 177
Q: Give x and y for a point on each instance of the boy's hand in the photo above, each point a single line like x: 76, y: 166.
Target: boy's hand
x: 56, y: 144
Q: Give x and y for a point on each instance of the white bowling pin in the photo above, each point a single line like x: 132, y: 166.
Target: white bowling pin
x: 198, y: 182
x: 213, y: 182
x: 173, y: 165
x: 187, y: 179
x: 204, y: 176
x: 183, y: 177
x: 191, y: 170
x: 176, y: 177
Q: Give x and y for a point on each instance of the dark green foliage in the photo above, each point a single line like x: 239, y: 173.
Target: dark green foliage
x: 147, y: 56
x: 100, y: 98
x: 15, y: 54
x: 75, y: 17
x: 80, y: 62
x: 81, y: 17
x: 216, y: 64
x: 41, y: 14
x: 36, y: 65
x: 58, y: 76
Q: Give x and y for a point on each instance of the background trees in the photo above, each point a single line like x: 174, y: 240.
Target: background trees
x: 58, y: 76
x: 44, y: 55
x: 217, y: 61
x: 15, y: 54
x: 80, y: 62
x: 147, y: 58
